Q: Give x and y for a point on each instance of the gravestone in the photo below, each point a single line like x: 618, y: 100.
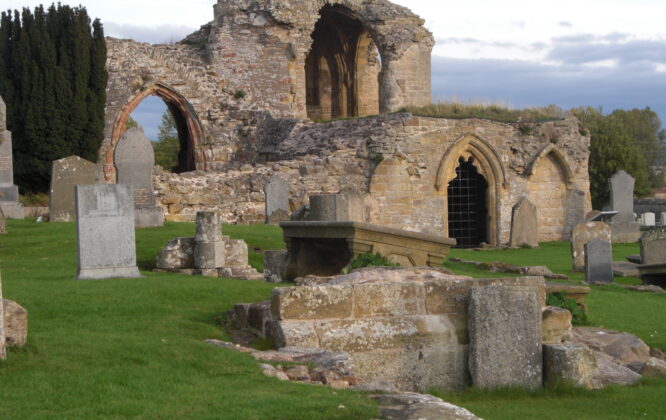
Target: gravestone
x: 66, y: 174
x: 653, y: 246
x: 275, y: 265
x: 624, y: 227
x: 276, y: 192
x: 598, y: 262
x: 3, y: 222
x: 524, y: 225
x: 648, y: 219
x: 346, y: 206
x: 105, y: 232
x: 135, y: 159
x: 663, y: 219
x: 582, y: 234
x: 3, y: 350
x: 209, y: 247
x: 505, y: 337
x: 8, y: 191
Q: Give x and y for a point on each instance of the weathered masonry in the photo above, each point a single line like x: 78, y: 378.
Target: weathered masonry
x: 247, y: 89
x: 262, y: 61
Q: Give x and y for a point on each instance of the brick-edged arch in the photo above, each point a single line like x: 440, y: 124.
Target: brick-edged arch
x: 190, y: 130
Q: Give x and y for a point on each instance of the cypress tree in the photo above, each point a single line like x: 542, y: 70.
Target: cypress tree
x: 53, y: 79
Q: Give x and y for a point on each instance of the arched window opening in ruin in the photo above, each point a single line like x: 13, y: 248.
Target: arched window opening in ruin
x: 467, y: 206
x: 342, y: 67
x: 183, y: 121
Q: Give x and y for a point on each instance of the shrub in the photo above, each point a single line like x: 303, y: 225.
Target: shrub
x: 577, y: 311
x: 371, y: 260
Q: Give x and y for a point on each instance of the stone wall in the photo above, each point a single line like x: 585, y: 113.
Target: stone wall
x: 403, y: 165
x: 242, y: 76
x: 405, y: 327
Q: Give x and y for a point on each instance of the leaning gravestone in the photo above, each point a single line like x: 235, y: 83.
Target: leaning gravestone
x: 8, y: 191
x: 135, y: 159
x: 105, y: 232
x: 505, y: 337
x: 598, y: 262
x: 653, y: 246
x: 623, y: 225
x: 277, y: 200
x: 582, y: 234
x: 66, y: 174
x: 524, y: 225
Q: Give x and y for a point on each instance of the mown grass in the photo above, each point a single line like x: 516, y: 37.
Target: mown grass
x: 134, y: 348
x: 492, y: 112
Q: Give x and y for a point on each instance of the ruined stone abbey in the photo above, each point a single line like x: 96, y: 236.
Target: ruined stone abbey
x: 248, y: 89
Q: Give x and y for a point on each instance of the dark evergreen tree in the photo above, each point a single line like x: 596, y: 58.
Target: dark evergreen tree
x: 53, y: 79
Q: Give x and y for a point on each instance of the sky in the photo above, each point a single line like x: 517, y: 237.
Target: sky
x: 518, y: 53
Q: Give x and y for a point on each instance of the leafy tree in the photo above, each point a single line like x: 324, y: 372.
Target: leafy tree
x: 612, y: 149
x: 53, y: 80
x: 132, y: 123
x: 168, y: 144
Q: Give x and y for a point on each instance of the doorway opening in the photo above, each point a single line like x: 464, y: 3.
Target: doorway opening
x: 468, y: 206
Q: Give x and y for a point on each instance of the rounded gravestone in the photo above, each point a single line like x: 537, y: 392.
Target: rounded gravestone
x: 135, y: 159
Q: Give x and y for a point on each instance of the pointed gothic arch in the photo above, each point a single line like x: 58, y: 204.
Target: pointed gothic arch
x: 471, y: 149
x: 559, y: 157
x: 190, y: 130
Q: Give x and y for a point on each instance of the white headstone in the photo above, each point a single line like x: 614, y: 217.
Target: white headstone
x: 648, y: 219
x: 105, y: 232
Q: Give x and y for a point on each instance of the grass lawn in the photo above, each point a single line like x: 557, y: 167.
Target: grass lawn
x: 133, y: 348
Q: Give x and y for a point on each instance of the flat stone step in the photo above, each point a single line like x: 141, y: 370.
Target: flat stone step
x: 625, y: 269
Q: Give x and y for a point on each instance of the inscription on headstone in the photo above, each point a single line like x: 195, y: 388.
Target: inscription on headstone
x: 105, y: 232
x: 66, y: 174
x: 598, y: 261
x: 276, y: 193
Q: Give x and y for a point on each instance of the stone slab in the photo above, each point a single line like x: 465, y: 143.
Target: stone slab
x: 12, y: 210
x: 622, y: 197
x: 3, y: 115
x: 105, y: 232
x: 15, y: 324
x: 6, y: 163
x: 3, y: 350
x: 344, y: 207
x: 135, y: 158
x: 325, y: 248
x: 505, y: 337
x: 653, y: 246
x: 66, y: 174
x: 148, y: 217
x: 582, y: 234
x: 276, y: 193
x: 524, y: 231
x: 648, y: 219
x: 625, y: 269
x: 598, y: 261
x: 3, y: 222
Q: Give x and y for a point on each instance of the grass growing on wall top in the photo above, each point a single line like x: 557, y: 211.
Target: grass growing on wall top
x: 492, y: 112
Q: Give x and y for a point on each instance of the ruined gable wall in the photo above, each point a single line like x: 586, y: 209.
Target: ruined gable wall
x: 396, y: 159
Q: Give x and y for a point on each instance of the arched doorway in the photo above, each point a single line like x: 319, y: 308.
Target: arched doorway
x: 467, y: 206
x: 190, y: 131
x: 342, y: 67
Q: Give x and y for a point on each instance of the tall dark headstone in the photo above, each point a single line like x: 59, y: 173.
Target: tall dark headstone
x: 598, y: 261
x: 105, y: 232
x: 624, y: 227
x: 276, y: 193
x: 66, y: 174
x: 8, y: 191
x: 135, y: 159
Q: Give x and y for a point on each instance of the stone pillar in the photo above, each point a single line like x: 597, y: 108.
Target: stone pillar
x: 209, y: 248
x: 8, y: 191
x: 406, y: 80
